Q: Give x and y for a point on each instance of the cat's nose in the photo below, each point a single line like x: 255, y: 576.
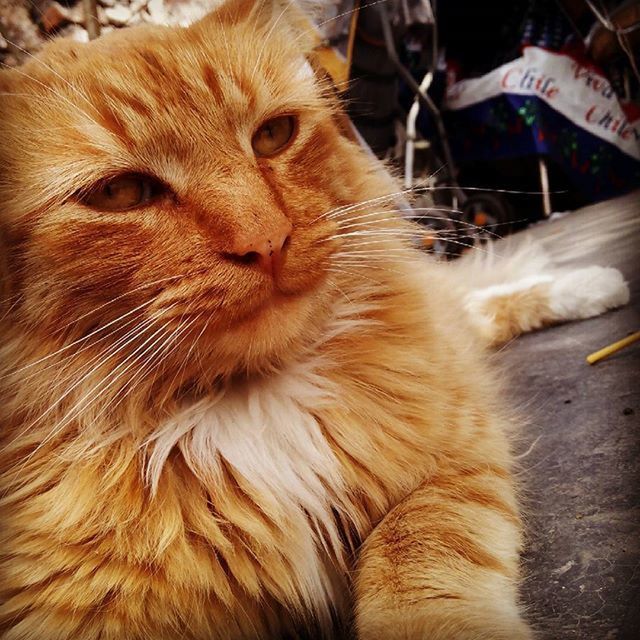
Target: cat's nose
x: 265, y: 248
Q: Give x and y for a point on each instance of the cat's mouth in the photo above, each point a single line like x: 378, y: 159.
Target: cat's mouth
x: 292, y: 282
x: 263, y: 333
x: 278, y: 298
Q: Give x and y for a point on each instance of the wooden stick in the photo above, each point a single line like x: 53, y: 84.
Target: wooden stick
x: 612, y: 348
x: 91, y: 18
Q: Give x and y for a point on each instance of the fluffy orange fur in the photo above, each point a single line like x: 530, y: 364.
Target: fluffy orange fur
x: 124, y: 332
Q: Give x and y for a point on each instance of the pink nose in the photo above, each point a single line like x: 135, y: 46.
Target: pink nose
x: 265, y: 248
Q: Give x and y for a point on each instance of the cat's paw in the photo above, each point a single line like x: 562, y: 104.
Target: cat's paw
x: 587, y: 292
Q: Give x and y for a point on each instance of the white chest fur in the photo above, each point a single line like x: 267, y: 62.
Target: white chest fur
x: 267, y: 433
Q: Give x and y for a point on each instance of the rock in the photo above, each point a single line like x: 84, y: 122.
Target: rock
x: 157, y: 11
x: 137, y: 18
x: 118, y: 15
x: 53, y: 17
x: 143, y: 17
x: 18, y: 28
x: 78, y: 33
x: 138, y: 5
x: 74, y: 32
x: 102, y: 18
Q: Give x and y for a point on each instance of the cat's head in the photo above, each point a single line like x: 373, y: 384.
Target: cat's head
x: 163, y: 189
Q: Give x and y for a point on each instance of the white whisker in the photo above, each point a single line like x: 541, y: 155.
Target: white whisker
x: 111, y: 379
x: 79, y: 341
x: 265, y: 40
x: 154, y: 361
x: 52, y: 90
x: 146, y: 285
x: 103, y: 358
x: 52, y: 70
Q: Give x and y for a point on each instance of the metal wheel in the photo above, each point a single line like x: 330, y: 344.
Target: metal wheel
x: 485, y: 216
x: 440, y: 235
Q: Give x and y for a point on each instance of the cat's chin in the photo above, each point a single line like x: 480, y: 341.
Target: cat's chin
x: 274, y: 332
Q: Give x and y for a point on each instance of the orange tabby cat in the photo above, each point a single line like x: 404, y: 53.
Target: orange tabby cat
x: 236, y: 403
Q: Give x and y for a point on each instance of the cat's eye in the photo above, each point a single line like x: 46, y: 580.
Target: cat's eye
x: 122, y: 193
x: 273, y: 136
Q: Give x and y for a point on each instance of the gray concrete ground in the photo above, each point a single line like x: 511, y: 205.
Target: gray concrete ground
x: 581, y: 471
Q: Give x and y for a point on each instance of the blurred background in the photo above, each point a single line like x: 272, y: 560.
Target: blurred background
x: 495, y: 114
x: 508, y: 110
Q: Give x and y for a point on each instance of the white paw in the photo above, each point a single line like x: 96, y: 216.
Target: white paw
x: 587, y: 292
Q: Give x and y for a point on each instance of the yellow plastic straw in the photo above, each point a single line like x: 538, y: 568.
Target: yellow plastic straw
x: 612, y: 348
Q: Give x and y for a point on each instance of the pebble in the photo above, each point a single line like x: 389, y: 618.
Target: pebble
x: 54, y: 16
x: 102, y: 18
x: 138, y: 5
x: 156, y: 11
x: 137, y: 18
x: 119, y: 16
x: 78, y: 33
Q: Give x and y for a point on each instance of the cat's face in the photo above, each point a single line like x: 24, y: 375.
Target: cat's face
x: 170, y: 183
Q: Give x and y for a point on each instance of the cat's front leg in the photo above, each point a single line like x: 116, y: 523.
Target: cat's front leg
x: 443, y: 565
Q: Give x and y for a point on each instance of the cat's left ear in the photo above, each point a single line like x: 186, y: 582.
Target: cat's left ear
x: 298, y: 16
